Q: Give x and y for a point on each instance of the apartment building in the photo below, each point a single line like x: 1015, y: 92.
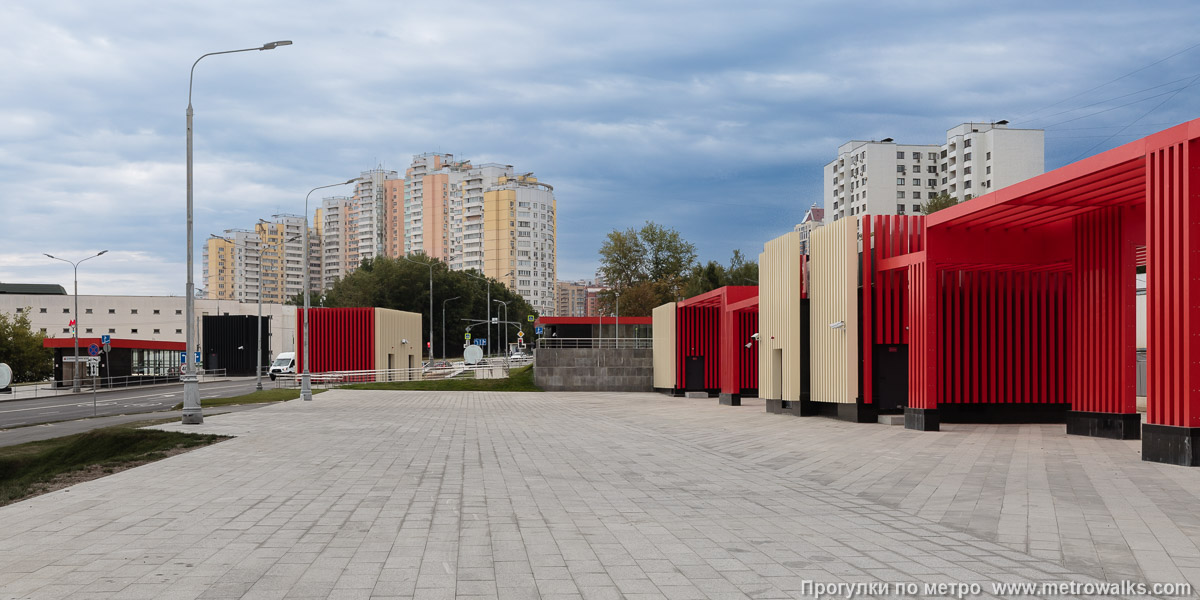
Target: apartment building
x: 577, y: 298
x: 519, y: 241
x: 886, y: 178
x: 267, y: 260
x: 814, y: 218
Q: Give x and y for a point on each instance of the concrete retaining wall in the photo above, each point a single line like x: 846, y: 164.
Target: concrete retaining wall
x: 592, y: 369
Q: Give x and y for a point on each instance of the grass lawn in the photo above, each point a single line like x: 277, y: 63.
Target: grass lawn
x: 265, y: 396
x: 46, y: 465
x: 519, y: 380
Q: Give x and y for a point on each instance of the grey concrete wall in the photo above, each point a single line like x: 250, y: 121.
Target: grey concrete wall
x: 594, y: 369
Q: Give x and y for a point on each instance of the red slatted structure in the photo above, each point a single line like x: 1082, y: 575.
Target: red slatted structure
x: 893, y: 241
x: 706, y: 327
x: 341, y: 339
x: 1026, y: 295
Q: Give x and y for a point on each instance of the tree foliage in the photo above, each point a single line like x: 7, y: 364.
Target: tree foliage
x: 938, y: 202
x: 403, y: 285
x: 21, y: 349
x: 712, y: 275
x: 655, y: 265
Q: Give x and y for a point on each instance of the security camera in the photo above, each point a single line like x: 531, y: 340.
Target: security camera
x: 404, y: 340
x: 754, y: 337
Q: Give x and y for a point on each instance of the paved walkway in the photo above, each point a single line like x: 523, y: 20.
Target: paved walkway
x: 598, y: 495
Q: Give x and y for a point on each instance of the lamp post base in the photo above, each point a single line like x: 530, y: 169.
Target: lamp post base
x: 305, y: 387
x: 193, y: 414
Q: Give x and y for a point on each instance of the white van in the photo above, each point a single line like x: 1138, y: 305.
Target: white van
x: 284, y: 364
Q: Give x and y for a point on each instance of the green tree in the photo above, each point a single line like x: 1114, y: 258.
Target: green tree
x: 713, y: 275
x: 651, y: 255
x: 22, y: 350
x: 938, y: 202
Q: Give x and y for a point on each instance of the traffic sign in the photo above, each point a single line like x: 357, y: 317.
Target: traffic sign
x: 93, y: 350
x: 467, y: 336
x: 529, y: 318
x: 538, y: 330
x: 107, y: 346
x: 183, y: 357
x: 104, y: 339
x: 520, y: 334
x: 480, y: 341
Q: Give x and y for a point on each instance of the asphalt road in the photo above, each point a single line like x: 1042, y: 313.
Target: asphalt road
x: 17, y: 413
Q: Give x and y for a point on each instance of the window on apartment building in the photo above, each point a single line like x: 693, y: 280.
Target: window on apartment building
x: 931, y: 169
x: 953, y: 174
x: 899, y: 181
x: 988, y: 156
x: 899, y: 154
x: 916, y: 156
x: 989, y: 170
x: 916, y: 182
x: 944, y: 180
x: 916, y: 195
x: 943, y: 154
x: 988, y: 184
x: 945, y: 167
x: 42, y: 310
x: 899, y: 209
x: 967, y: 156
x: 966, y: 185
x: 930, y: 182
x: 900, y: 195
x: 967, y: 143
x: 916, y: 168
x: 916, y: 208
x: 966, y: 170
x: 899, y: 168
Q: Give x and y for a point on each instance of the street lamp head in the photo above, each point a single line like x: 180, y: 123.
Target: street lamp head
x: 274, y: 45
x: 51, y: 256
x: 348, y: 181
x: 102, y: 252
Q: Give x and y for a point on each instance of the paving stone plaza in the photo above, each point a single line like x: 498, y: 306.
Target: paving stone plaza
x: 601, y: 495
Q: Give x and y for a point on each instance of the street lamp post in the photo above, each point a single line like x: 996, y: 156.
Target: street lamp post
x: 429, y: 264
x: 487, y: 336
x: 444, y: 326
x: 192, y: 413
x: 505, y: 304
x: 305, y: 380
x: 617, y: 326
x: 75, y: 265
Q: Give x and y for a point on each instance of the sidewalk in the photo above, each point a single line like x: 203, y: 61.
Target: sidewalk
x: 597, y: 495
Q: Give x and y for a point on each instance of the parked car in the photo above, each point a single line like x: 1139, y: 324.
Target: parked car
x: 284, y: 364
x: 519, y: 355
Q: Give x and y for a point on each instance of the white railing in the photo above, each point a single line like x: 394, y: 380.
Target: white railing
x: 568, y: 343
x: 50, y: 388
x: 493, y: 368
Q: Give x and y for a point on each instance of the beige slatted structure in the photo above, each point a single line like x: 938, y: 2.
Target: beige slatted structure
x: 780, y: 277
x: 833, y: 299
x: 392, y: 328
x: 664, y: 346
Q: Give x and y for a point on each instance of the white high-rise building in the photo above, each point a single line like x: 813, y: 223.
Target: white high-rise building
x: 268, y: 260
x: 887, y: 178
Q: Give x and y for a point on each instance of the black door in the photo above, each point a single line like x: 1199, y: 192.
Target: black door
x: 891, y: 376
x: 693, y: 374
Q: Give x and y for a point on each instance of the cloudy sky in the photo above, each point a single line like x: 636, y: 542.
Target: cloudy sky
x: 714, y: 118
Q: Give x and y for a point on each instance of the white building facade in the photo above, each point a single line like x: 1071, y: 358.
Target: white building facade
x: 887, y: 178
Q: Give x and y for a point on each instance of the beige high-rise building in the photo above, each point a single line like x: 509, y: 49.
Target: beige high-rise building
x: 519, y: 241
x: 268, y: 259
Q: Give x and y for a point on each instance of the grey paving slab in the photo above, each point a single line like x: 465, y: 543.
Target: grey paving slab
x: 597, y: 495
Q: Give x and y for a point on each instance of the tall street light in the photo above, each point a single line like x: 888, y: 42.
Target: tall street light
x: 305, y: 380
x: 429, y: 263
x: 617, y: 326
x: 487, y: 336
x: 192, y: 413
x: 75, y: 265
x: 505, y: 303
x: 444, y: 325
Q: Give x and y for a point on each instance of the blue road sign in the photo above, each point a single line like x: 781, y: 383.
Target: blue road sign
x: 538, y: 331
x: 104, y: 339
x: 183, y: 357
x: 94, y: 350
x: 480, y: 341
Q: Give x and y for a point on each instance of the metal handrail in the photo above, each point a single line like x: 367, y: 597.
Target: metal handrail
x: 579, y: 343
x: 493, y: 367
x: 56, y: 387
